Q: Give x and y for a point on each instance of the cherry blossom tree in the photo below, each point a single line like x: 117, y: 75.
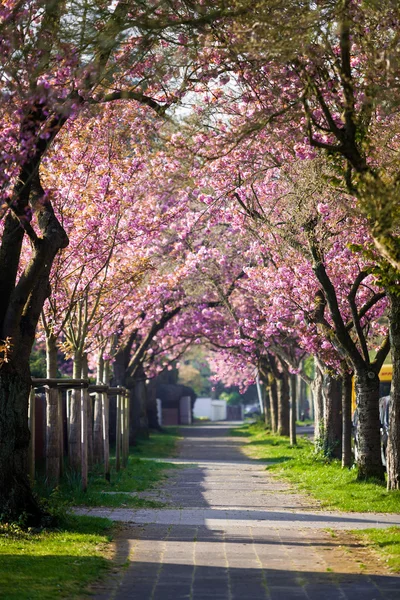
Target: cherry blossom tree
x: 323, y: 78
x: 57, y: 58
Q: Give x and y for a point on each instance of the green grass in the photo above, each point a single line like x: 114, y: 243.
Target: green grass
x: 53, y: 564
x: 386, y: 542
x: 139, y: 476
x: 61, y: 563
x: 159, y: 445
x: 305, y: 422
x: 324, y: 480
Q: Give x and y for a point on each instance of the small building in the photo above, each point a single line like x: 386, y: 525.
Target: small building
x: 175, y: 404
x: 208, y: 408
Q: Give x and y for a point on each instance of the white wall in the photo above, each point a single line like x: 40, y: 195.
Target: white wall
x: 202, y: 408
x: 218, y: 410
x: 215, y: 410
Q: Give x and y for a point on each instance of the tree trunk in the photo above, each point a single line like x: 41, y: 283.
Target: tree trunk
x: 98, y: 444
x: 318, y: 403
x: 293, y: 409
x: 53, y: 433
x: 369, y: 456
x: 393, y: 450
x: 89, y: 412
x: 138, y: 423
x: 105, y: 410
x: 74, y: 439
x: 273, y: 394
x: 332, y: 443
x: 84, y: 426
x: 151, y: 398
x: 16, y: 497
x: 346, y: 420
x: 283, y: 404
x: 299, y: 383
x: 267, y: 406
x: 24, y: 289
x: 305, y: 409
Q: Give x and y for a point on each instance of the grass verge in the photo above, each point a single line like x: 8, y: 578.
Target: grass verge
x: 386, y: 542
x: 159, y: 445
x: 53, y: 564
x: 139, y: 476
x: 325, y: 480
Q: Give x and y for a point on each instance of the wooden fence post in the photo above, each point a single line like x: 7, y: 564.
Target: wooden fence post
x: 118, y: 434
x: 52, y: 435
x: 32, y: 399
x: 105, y: 407
x: 127, y: 424
x: 61, y: 430
x: 68, y: 407
x: 124, y: 439
x: 98, y: 445
x: 84, y: 445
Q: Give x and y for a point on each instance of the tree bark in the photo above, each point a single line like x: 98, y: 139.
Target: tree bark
x: 21, y: 304
x: 293, y: 409
x: 369, y: 457
x: 74, y: 438
x: 318, y: 403
x: 138, y: 423
x: 269, y: 397
x: 393, y: 450
x: 273, y: 391
x: 266, y: 399
x: 332, y: 443
x: 53, y: 433
x: 16, y: 497
x: 283, y: 404
x: 346, y: 420
x: 151, y: 398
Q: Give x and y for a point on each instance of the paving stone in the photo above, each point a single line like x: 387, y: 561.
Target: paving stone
x: 289, y: 593
x: 233, y: 531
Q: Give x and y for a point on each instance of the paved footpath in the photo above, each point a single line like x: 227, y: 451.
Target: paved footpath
x: 232, y: 531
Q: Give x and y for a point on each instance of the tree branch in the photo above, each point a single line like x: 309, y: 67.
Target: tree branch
x: 160, y: 109
x: 381, y: 354
x: 356, y: 320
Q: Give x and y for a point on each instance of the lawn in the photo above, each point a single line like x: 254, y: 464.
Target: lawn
x: 159, y: 445
x: 53, y: 564
x: 140, y: 475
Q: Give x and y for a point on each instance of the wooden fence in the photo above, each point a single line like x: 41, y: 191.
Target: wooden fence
x: 55, y: 443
